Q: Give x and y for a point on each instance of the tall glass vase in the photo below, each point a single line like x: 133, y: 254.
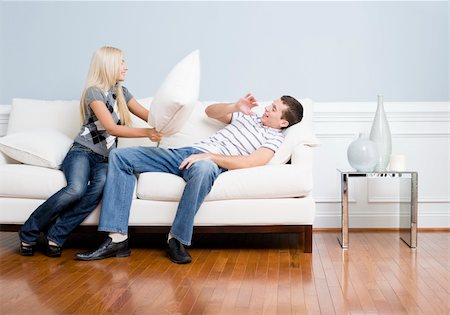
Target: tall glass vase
x: 380, y: 133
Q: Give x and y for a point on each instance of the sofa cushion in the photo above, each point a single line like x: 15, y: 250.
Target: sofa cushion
x: 27, y: 181
x: 271, y: 181
x: 29, y: 114
x: 199, y: 127
x: 175, y: 99
x: 41, y: 147
x: 31, y: 182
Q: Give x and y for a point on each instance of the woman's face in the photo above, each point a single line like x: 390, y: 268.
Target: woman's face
x: 123, y: 70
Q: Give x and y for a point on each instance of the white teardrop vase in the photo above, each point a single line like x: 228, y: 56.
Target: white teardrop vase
x: 380, y: 133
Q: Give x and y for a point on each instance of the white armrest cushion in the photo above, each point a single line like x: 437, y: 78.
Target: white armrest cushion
x: 303, y: 155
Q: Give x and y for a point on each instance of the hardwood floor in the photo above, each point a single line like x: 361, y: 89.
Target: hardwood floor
x: 234, y: 274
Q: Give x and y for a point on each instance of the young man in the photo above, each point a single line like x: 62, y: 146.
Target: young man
x: 247, y: 141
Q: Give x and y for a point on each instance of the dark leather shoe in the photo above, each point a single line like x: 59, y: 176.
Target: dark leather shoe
x: 26, y: 250
x: 177, y: 253
x: 53, y: 251
x: 107, y: 249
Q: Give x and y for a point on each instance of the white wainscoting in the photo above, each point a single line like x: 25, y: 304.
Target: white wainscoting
x: 4, y: 114
x: 421, y: 131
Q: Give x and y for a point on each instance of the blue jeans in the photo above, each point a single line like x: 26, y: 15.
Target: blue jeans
x: 85, y: 173
x: 126, y: 162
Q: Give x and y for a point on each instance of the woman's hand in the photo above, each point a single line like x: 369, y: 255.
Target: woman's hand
x: 154, y: 135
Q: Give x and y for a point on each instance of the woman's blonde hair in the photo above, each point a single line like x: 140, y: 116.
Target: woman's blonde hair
x: 103, y: 73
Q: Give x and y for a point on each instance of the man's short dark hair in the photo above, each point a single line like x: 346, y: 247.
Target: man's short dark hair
x: 294, y: 113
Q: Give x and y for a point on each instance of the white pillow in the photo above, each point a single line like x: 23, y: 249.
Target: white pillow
x: 42, y: 147
x: 175, y: 99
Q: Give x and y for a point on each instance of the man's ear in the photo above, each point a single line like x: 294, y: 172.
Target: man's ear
x: 284, y: 123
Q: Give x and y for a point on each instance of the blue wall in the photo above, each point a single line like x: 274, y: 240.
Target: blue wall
x: 328, y: 51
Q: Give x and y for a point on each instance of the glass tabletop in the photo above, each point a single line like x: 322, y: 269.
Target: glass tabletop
x: 377, y: 173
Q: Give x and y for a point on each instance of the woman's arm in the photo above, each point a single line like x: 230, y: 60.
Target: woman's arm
x: 137, y: 109
x: 107, y: 121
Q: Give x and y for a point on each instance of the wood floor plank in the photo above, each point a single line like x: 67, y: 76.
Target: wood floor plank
x: 236, y: 274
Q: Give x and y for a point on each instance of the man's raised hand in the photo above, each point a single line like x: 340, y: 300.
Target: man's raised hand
x: 246, y: 103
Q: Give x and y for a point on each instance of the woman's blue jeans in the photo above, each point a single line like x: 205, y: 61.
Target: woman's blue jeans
x: 85, y: 173
x: 125, y: 163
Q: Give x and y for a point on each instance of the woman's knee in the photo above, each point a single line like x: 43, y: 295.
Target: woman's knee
x: 75, y: 190
x: 98, y: 182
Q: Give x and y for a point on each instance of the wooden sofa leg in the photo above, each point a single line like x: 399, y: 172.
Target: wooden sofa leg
x: 308, y: 239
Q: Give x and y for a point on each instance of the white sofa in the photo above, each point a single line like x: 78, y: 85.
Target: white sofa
x: 273, y: 198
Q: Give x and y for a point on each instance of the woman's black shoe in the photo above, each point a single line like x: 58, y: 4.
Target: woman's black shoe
x: 107, y: 249
x: 53, y: 251
x: 26, y: 250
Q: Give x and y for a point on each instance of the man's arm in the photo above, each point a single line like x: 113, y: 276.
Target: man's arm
x: 259, y: 157
x: 224, y: 111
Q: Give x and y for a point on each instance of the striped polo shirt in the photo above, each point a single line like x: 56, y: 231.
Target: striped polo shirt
x: 244, y: 135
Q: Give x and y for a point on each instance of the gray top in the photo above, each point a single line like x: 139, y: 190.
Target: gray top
x: 92, y: 134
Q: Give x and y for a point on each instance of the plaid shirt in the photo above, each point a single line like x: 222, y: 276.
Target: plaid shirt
x: 92, y: 134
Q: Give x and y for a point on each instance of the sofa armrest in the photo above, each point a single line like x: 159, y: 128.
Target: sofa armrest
x: 303, y: 155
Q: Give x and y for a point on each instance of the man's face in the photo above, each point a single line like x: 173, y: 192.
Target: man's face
x: 272, y: 115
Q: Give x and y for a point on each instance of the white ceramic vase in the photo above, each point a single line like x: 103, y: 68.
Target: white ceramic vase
x: 362, y: 154
x: 380, y: 133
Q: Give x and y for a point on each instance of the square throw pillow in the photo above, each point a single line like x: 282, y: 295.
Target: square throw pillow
x: 175, y: 99
x: 42, y: 147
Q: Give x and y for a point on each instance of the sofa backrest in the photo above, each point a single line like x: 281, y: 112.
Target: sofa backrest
x: 64, y: 116
x: 29, y: 115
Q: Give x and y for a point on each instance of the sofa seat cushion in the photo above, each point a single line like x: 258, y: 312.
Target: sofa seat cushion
x: 28, y: 181
x: 31, y: 182
x: 269, y: 181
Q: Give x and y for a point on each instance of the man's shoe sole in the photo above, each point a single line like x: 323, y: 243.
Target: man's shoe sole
x: 124, y: 253
x: 180, y: 262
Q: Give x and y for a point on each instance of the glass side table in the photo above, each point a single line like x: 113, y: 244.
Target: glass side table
x: 408, y: 219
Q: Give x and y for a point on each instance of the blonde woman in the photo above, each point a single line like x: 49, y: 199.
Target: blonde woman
x: 105, y: 105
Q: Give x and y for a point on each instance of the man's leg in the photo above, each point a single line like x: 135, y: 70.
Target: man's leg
x: 199, y: 179
x: 124, y: 164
